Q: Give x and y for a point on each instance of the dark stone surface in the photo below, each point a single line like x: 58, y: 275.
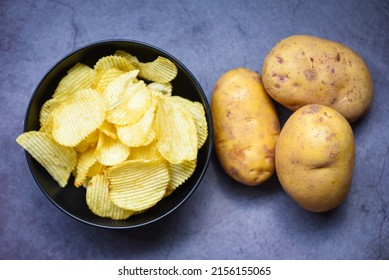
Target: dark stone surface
x: 222, y: 220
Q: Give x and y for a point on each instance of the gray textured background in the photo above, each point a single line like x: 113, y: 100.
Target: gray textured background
x: 222, y: 220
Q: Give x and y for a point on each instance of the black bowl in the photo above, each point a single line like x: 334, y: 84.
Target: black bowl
x: 71, y: 200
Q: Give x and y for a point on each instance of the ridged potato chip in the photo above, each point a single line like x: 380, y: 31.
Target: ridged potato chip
x: 149, y: 152
x: 78, y: 116
x: 95, y: 169
x: 47, y: 109
x: 138, y: 184
x: 111, y: 151
x: 84, y: 162
x: 59, y: 161
x: 107, y: 62
x: 176, y: 132
x: 108, y: 129
x: 114, y: 97
x: 179, y: 173
x: 48, y: 126
x: 99, y: 202
x: 161, y: 70
x: 107, y: 77
x: 78, y: 77
x: 140, y: 133
x: 198, y: 113
x: 114, y: 91
x: 115, y: 88
x: 139, y: 100
x: 164, y: 89
x: 131, y: 58
x: 89, y: 141
x: 130, y: 105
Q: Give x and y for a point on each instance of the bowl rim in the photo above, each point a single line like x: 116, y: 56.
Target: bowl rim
x: 204, y: 101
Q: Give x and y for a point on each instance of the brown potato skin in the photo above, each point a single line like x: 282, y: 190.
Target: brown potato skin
x: 303, y: 70
x: 246, y: 126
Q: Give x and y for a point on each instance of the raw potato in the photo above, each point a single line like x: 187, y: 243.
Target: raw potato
x: 315, y: 156
x: 303, y: 70
x: 246, y: 126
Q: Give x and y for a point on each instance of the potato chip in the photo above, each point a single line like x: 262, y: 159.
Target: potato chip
x: 149, y: 152
x: 111, y: 151
x: 108, y: 129
x: 47, y: 109
x: 139, y: 100
x: 111, y: 61
x: 164, y: 89
x: 78, y: 77
x: 78, y: 116
x: 107, y: 77
x: 59, y: 161
x: 179, y: 173
x: 140, y: 133
x: 115, y: 88
x: 176, y: 132
x: 114, y: 92
x: 99, y: 202
x: 131, y: 105
x: 132, y: 59
x: 161, y: 70
x: 138, y: 184
x: 89, y: 141
x: 96, y: 168
x: 198, y: 113
x: 48, y: 126
x: 84, y: 162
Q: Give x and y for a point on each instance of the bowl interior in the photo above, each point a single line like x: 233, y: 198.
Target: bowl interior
x: 72, y: 200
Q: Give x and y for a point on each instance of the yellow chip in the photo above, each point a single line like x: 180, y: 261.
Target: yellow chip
x: 131, y: 105
x: 108, y: 129
x: 114, y: 93
x: 89, y: 141
x: 149, y: 152
x: 198, y: 113
x: 164, y: 89
x: 78, y: 116
x: 161, y: 70
x: 84, y: 162
x: 78, y: 77
x: 47, y: 109
x: 48, y: 126
x: 99, y: 202
x: 108, y: 62
x: 95, y: 169
x: 139, y: 100
x: 132, y: 59
x: 140, y: 133
x: 111, y: 151
x: 114, y: 90
x: 176, y: 132
x: 59, y: 161
x: 179, y: 173
x: 138, y: 184
x: 107, y: 77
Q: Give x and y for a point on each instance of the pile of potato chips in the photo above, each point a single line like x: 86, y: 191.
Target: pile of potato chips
x: 120, y: 132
